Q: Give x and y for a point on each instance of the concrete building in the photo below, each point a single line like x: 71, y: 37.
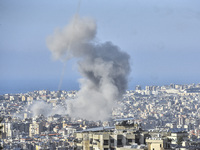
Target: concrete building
x: 124, y: 134
x: 176, y: 134
x: 35, y: 128
x: 158, y: 144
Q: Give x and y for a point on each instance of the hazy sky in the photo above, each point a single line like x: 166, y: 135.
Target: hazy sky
x: 162, y: 38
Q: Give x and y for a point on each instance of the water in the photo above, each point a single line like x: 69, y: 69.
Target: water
x: 24, y: 86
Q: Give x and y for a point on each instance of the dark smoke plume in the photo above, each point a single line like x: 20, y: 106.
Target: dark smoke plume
x: 104, y: 68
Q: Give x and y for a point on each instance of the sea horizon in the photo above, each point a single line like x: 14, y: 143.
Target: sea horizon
x: 20, y: 86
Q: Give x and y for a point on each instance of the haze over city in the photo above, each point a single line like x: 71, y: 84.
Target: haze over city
x: 161, y: 37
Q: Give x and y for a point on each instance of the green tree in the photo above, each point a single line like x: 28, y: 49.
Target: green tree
x: 180, y: 140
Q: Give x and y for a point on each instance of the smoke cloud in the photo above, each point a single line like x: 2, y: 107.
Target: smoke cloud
x: 43, y: 108
x: 103, y: 66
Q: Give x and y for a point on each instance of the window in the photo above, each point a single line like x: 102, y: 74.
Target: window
x: 129, y: 140
x: 91, y: 140
x: 111, y: 140
x: 119, y: 142
x: 105, y: 142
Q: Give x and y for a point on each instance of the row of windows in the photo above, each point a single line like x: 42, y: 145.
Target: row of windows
x: 106, y: 142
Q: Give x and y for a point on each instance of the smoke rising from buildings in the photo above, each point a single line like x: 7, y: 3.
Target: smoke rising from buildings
x: 46, y: 109
x: 103, y: 66
x: 41, y: 107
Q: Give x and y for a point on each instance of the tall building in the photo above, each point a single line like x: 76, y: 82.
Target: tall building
x: 35, y: 128
x: 181, y: 120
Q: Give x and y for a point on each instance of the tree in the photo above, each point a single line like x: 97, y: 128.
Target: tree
x: 180, y: 140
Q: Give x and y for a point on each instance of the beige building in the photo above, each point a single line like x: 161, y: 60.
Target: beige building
x: 110, y: 138
x: 158, y: 144
x: 35, y: 128
x: 24, y: 98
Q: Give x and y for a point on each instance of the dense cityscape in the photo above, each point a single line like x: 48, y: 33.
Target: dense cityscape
x: 154, y: 118
x: 100, y: 75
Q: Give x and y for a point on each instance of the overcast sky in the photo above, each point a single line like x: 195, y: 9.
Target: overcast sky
x: 162, y: 38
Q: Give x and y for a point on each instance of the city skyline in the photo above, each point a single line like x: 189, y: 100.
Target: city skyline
x: 158, y: 118
x: 160, y: 37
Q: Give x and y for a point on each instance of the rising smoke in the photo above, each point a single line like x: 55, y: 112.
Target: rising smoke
x: 46, y: 109
x: 40, y: 107
x: 103, y: 66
